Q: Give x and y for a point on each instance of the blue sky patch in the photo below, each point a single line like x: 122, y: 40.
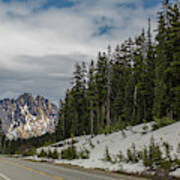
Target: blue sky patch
x: 68, y: 3
x: 7, y: 1
x: 127, y: 5
x: 151, y: 3
x: 58, y: 4
x: 48, y: 3
x: 103, y: 30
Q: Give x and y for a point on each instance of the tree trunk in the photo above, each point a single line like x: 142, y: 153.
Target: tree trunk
x: 108, y: 115
x: 171, y: 108
x: 135, y: 102
x: 103, y: 115
x: 98, y: 118
x: 92, y: 118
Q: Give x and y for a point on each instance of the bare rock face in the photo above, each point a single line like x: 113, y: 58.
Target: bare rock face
x: 27, y: 116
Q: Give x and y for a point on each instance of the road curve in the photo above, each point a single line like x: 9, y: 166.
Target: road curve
x: 17, y: 169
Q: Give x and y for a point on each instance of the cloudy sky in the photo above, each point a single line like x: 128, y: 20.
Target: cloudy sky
x: 40, y: 40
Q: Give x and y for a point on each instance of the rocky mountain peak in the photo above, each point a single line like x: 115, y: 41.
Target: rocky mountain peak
x: 27, y: 116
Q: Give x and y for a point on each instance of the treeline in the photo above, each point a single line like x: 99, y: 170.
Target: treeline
x: 25, y: 146
x: 134, y: 83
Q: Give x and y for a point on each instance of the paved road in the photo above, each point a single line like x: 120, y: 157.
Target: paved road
x: 17, y: 169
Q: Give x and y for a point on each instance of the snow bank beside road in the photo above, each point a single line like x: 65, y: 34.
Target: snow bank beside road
x: 119, y: 141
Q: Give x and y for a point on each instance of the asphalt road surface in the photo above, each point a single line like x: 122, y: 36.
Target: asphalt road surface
x: 18, y: 169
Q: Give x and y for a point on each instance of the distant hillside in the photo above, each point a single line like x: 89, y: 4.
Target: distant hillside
x: 27, y: 116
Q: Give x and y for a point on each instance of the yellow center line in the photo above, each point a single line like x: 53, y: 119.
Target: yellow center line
x: 33, y: 170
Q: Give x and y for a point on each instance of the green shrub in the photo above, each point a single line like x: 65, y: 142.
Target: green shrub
x: 129, y: 155
x: 49, y: 154
x: 107, y: 130
x: 107, y: 156
x: 84, y: 154
x: 155, y: 158
x: 165, y: 164
x: 152, y: 156
x: 29, y: 152
x: 165, y: 121
x: 55, y: 154
x: 120, y: 157
x: 69, y: 153
x: 145, y: 128
x: 132, y: 154
x: 91, y: 144
x: 118, y: 125
x: 178, y: 148
x: 167, y: 149
x: 42, y: 154
x: 145, y: 157
x: 135, y: 154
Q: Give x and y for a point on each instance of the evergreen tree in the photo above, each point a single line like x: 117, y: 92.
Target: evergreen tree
x: 91, y: 92
x: 129, y: 82
x: 118, y: 84
x: 1, y: 134
x: 109, y: 74
x: 140, y: 79
x: 149, y: 75
x: 166, y: 90
x: 101, y: 82
x: 160, y: 66
x: 60, y: 128
x: 80, y: 124
x: 173, y: 70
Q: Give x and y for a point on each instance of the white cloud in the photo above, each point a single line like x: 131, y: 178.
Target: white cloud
x: 30, y: 39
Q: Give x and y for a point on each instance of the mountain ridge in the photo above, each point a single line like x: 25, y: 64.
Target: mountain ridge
x: 27, y: 116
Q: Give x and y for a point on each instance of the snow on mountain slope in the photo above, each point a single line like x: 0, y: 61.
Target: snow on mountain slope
x: 119, y: 141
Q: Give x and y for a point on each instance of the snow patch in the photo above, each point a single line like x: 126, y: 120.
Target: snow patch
x: 119, y: 141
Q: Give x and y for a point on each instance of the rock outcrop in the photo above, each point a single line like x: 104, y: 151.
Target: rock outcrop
x: 27, y: 116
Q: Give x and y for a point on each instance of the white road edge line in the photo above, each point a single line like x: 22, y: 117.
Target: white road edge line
x: 4, y: 176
